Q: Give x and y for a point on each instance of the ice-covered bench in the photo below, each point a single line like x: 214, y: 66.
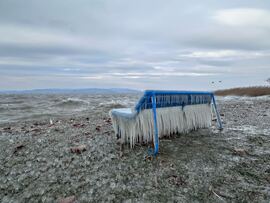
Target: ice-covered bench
x: 159, y: 113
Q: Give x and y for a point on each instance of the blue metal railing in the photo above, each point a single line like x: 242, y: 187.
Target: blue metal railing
x: 149, y: 100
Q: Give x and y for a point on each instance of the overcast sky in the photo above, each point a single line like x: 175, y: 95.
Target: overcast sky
x: 141, y: 44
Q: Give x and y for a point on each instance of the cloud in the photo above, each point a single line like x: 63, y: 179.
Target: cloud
x: 161, y: 74
x: 244, y: 17
x: 226, y: 54
x: 47, y: 39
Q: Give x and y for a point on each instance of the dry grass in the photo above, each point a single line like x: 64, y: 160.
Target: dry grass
x: 245, y: 91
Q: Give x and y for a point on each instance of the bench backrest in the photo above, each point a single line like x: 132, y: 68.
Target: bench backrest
x: 172, y: 98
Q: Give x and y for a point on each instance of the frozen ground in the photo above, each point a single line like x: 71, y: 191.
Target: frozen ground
x: 37, y: 164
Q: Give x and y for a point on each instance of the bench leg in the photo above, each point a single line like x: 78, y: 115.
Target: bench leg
x: 156, y: 140
x: 217, y: 113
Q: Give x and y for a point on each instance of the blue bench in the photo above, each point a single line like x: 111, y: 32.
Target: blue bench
x: 159, y: 113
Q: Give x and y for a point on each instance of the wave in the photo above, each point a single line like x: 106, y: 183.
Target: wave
x: 71, y: 102
x: 3, y: 109
x: 115, y: 104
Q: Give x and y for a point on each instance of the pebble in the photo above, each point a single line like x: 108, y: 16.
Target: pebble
x: 78, y: 149
x: 239, y: 152
x: 70, y: 199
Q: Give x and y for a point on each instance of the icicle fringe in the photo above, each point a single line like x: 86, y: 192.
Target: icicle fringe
x: 170, y: 120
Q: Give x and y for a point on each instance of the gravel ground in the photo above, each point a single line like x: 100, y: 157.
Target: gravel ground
x: 78, y: 157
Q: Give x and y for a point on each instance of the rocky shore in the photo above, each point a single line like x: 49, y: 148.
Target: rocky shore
x: 77, y: 159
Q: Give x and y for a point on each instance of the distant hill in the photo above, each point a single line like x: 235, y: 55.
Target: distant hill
x: 245, y: 91
x: 72, y: 91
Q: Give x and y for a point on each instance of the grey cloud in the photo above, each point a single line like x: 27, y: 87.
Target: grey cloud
x: 138, y: 44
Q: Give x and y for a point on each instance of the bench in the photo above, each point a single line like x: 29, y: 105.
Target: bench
x: 159, y: 113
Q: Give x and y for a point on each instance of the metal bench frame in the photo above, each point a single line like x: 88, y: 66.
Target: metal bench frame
x: 151, y: 94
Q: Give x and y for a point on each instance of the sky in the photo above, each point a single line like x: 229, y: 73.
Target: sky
x: 142, y: 44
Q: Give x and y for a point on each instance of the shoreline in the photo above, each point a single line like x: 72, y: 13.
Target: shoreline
x: 78, y: 156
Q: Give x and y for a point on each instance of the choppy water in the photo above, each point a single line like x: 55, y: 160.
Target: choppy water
x: 25, y: 107
x: 18, y: 107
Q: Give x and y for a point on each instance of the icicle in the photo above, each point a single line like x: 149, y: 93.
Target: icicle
x: 171, y: 120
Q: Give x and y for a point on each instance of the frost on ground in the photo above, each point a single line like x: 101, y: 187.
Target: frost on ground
x: 77, y: 158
